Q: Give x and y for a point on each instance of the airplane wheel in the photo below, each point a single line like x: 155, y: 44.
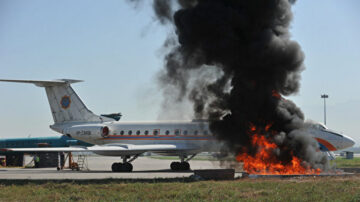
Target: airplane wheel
x: 115, y: 167
x: 185, y: 166
x: 175, y: 165
x: 127, y: 167
x: 121, y: 167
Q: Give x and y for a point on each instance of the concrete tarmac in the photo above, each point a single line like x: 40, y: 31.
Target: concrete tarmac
x: 99, y: 167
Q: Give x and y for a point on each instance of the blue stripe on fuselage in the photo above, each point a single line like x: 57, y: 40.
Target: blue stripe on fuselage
x: 323, y: 148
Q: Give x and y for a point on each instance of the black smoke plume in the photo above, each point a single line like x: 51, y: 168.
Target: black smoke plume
x: 233, y: 60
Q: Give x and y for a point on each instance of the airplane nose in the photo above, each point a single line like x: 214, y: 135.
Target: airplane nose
x: 349, y: 142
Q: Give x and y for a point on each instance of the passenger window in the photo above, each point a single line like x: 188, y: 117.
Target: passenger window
x: 177, y: 132
x: 205, y: 132
x: 130, y: 132
x: 185, y: 132
x: 138, y: 132
x: 122, y: 132
x: 156, y: 132
x: 196, y: 132
x: 167, y: 132
x: 146, y: 132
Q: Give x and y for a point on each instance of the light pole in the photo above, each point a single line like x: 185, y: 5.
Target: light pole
x: 324, y: 96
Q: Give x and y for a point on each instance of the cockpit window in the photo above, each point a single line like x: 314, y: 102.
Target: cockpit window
x: 321, y: 127
x: 334, y: 133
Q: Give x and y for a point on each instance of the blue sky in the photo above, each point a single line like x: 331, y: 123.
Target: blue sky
x: 116, y: 49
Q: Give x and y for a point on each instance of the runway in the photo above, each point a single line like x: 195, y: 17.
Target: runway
x: 100, y: 168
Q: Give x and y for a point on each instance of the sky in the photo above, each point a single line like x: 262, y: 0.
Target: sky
x: 116, y: 48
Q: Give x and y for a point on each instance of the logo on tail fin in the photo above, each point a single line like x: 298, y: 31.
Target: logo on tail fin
x: 65, y: 102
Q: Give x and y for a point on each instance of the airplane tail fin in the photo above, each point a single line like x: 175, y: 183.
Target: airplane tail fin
x: 66, y: 105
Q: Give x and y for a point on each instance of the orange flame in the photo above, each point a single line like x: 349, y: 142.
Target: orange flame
x: 265, y: 161
x: 275, y: 94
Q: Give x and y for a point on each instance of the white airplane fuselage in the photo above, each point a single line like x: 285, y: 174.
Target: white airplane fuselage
x: 192, y: 136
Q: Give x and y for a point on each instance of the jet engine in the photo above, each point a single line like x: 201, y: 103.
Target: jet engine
x: 94, y: 131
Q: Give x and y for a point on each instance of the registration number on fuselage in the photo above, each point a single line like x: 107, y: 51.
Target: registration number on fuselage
x: 83, y: 132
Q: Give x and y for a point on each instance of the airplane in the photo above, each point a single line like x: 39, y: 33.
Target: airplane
x: 128, y: 140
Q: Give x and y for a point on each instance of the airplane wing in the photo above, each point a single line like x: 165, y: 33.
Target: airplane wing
x: 111, y: 150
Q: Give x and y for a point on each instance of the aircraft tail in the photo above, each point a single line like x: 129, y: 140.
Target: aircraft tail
x: 66, y: 106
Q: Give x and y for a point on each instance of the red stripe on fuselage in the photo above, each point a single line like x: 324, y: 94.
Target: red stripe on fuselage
x: 327, y: 144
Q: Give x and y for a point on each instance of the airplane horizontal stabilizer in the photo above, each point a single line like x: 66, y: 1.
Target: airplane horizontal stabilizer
x: 41, y: 83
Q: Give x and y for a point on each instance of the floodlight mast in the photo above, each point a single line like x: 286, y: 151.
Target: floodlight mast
x: 324, y: 96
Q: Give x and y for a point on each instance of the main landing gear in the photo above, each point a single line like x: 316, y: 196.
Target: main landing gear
x: 179, y: 166
x: 183, y: 165
x: 125, y: 166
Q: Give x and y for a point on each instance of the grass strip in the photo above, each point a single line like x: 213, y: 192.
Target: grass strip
x: 293, y: 189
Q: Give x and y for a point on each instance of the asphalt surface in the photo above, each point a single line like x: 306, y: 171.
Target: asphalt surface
x: 100, y: 168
